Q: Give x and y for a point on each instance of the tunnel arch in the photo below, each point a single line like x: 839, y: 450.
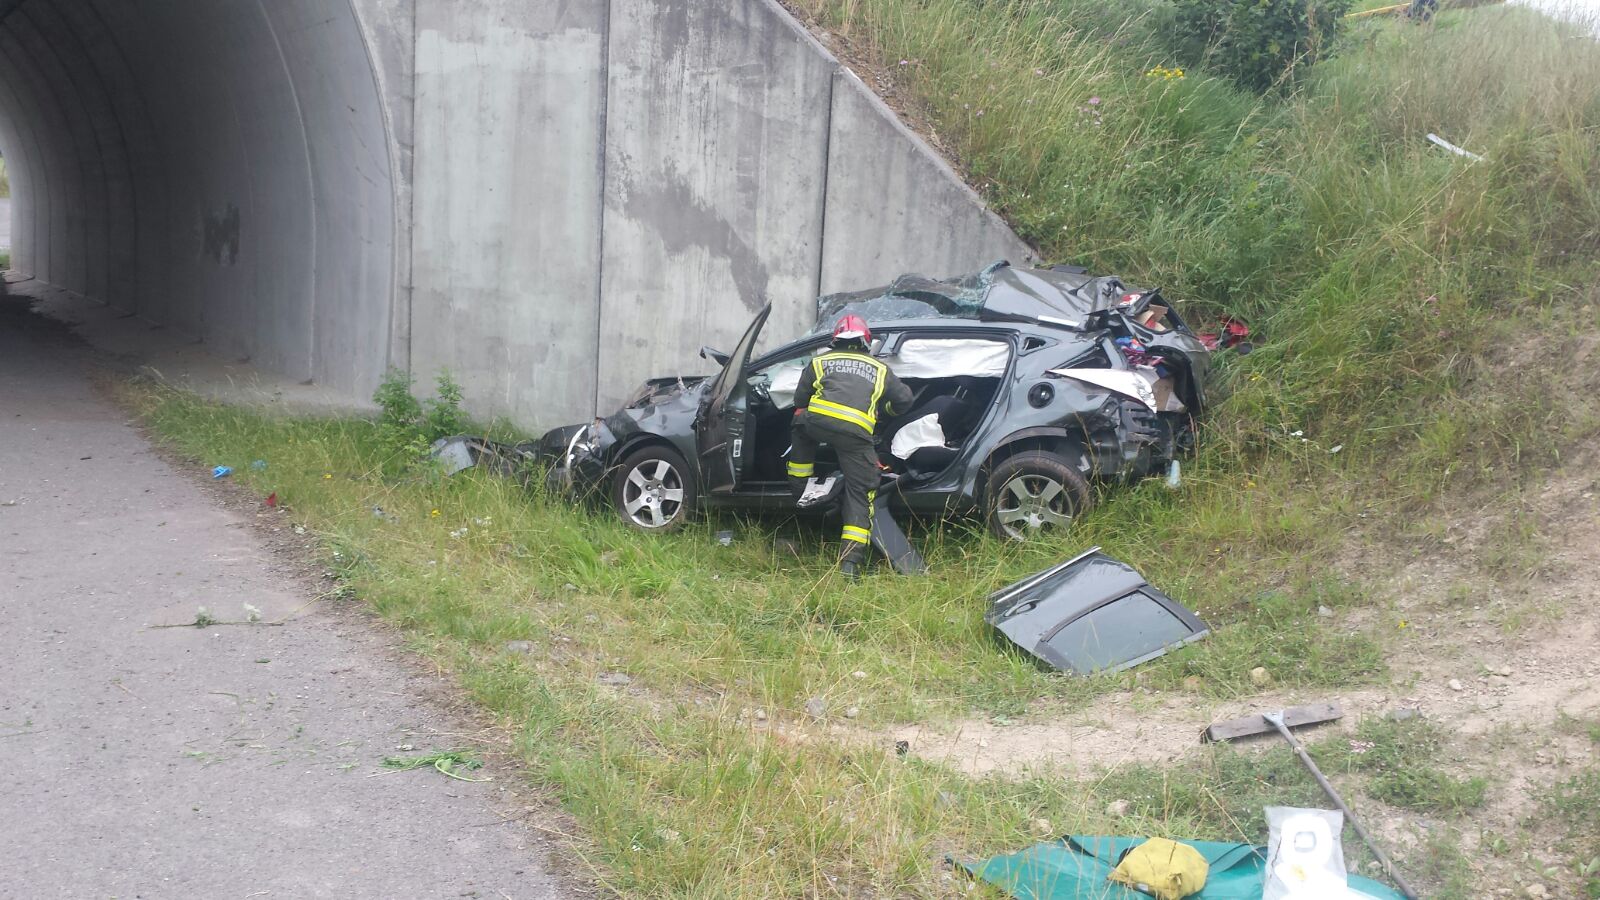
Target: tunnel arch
x: 221, y: 166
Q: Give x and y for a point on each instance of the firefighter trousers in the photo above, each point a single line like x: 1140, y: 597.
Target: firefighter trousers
x: 858, y: 466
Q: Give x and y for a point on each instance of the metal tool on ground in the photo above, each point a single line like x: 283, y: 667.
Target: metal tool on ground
x: 1314, y: 714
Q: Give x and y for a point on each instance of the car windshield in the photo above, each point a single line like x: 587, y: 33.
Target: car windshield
x: 998, y: 293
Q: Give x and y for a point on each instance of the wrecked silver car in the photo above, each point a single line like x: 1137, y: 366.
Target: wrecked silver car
x: 1029, y: 384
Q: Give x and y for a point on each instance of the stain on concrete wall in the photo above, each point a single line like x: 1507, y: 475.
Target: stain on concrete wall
x: 731, y: 175
x: 219, y: 235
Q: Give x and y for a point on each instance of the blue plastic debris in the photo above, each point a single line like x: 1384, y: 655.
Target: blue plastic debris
x: 221, y: 471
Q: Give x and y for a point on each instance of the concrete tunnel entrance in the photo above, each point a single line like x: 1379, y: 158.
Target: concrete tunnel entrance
x: 551, y: 201
x: 224, y: 167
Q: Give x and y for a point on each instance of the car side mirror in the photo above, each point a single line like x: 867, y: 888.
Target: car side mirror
x: 716, y: 356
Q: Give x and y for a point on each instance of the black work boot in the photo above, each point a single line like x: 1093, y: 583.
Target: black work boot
x: 852, y: 562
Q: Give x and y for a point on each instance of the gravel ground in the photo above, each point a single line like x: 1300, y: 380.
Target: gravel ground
x: 229, y: 761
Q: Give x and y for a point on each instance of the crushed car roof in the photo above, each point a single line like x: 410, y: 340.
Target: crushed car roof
x: 999, y: 293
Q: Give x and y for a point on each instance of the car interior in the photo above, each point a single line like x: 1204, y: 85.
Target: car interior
x: 953, y: 380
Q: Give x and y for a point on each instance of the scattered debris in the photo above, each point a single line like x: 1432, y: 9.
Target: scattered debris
x: 1317, y: 714
x: 221, y: 472
x: 1260, y: 677
x: 761, y: 715
x: 1453, y: 148
x: 1118, y: 808
x: 1092, y: 614
x: 1455, y: 684
x: 1294, y: 717
x: 1163, y: 868
x: 259, y: 465
x: 1324, y: 612
x: 851, y: 712
x: 464, y: 451
x: 817, y: 707
x: 1079, y: 865
x: 901, y: 748
x: 445, y: 762
x: 1304, y: 854
x: 272, y: 500
x: 1403, y: 714
x: 519, y: 647
x: 725, y: 538
x: 618, y: 679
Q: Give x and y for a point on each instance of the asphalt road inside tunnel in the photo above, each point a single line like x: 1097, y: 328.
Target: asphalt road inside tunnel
x: 199, y: 763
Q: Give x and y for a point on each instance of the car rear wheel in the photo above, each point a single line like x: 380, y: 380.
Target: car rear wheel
x: 1033, y: 494
x: 654, y: 490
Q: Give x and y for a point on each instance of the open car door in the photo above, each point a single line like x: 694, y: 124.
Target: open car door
x: 719, y: 429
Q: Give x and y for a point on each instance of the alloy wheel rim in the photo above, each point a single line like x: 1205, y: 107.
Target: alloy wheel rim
x: 652, y: 494
x: 1030, y: 505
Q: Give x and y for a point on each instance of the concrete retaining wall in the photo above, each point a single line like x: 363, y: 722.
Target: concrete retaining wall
x: 552, y: 201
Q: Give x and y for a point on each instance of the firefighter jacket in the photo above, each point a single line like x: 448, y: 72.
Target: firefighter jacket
x: 851, y: 387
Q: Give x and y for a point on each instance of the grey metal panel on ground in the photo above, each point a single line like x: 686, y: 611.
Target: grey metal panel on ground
x: 506, y: 212
x: 352, y: 189
x: 716, y: 143
x: 895, y: 206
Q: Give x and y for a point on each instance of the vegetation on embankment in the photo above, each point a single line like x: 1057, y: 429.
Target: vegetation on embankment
x: 1376, y: 270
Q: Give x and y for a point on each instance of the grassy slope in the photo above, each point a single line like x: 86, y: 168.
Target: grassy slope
x: 1375, y: 269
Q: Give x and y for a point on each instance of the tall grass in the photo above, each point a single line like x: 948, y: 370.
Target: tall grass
x: 5, y: 179
x: 1379, y: 273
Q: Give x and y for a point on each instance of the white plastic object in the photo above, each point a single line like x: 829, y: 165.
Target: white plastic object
x: 1305, y: 859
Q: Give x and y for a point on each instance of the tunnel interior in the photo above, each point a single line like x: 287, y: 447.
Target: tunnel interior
x: 222, y: 167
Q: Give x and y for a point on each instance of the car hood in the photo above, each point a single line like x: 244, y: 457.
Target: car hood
x: 1001, y: 292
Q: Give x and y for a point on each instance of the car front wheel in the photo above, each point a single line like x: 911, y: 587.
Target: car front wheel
x: 653, y: 489
x: 1033, y: 494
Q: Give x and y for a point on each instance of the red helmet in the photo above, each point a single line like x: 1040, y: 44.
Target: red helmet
x: 852, y: 328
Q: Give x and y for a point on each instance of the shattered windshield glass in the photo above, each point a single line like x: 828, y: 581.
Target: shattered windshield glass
x: 910, y: 297
x: 999, y: 293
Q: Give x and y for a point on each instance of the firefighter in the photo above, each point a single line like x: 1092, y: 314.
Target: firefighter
x: 838, y: 404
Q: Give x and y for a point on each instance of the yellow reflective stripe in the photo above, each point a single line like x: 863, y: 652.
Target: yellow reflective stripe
x: 844, y: 413
x: 877, y: 389
x: 816, y: 383
x: 859, y: 535
x: 872, y: 499
x: 802, y: 470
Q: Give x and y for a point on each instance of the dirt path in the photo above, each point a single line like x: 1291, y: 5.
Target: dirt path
x: 230, y: 761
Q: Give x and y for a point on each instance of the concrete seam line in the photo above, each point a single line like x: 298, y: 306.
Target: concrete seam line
x: 600, y: 219
x: 311, y: 190
x: 827, y: 164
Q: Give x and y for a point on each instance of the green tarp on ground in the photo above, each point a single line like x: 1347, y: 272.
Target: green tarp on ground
x: 1075, y: 868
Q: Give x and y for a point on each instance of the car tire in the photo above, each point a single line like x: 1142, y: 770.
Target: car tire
x: 654, y: 489
x: 1033, y: 494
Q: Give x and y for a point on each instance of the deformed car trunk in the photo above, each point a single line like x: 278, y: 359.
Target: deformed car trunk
x: 1092, y: 614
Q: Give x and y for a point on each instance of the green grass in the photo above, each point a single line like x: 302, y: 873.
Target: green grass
x: 5, y: 179
x: 1393, y: 289
x: 1401, y: 762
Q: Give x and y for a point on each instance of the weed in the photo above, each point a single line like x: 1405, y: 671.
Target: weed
x: 1400, y: 758
x: 445, y: 762
x: 1259, y: 45
x: 407, y: 426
